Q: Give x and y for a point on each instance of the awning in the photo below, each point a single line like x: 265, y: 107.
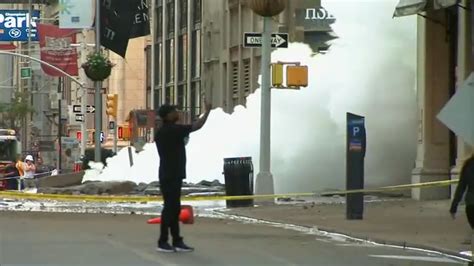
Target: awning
x: 439, y: 4
x: 412, y: 7
x: 409, y: 7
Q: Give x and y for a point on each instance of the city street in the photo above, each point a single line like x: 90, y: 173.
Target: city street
x: 40, y: 238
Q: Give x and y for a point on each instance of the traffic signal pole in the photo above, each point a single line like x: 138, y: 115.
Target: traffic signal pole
x: 111, y: 102
x: 264, y: 180
x: 115, y: 136
x: 98, y: 87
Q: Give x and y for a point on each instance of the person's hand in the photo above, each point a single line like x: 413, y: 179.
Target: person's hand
x: 453, y: 215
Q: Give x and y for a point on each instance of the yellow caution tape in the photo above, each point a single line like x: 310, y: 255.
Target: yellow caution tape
x: 93, y: 198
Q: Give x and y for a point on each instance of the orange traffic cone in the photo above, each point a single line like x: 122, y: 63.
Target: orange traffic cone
x: 186, y: 216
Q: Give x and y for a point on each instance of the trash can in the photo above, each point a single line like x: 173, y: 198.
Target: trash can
x: 238, y: 175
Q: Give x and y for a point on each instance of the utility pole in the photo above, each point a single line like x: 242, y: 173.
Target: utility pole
x: 29, y: 86
x: 267, y: 9
x: 153, y: 61
x: 60, y: 124
x: 98, y: 88
x: 264, y: 182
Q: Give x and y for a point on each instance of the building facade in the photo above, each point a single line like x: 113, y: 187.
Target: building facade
x: 177, y: 75
x: 200, y: 54
x: 444, y: 62
x: 230, y: 71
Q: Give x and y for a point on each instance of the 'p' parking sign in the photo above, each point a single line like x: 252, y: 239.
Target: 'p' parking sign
x: 15, y: 24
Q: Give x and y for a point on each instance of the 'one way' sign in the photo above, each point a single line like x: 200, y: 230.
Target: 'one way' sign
x: 254, y: 39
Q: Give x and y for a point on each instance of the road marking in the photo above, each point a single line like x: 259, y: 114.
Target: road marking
x: 416, y: 258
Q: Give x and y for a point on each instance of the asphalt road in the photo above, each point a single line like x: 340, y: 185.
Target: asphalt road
x: 28, y: 238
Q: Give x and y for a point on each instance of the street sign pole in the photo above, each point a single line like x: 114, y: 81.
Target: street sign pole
x: 98, y: 87
x: 83, y: 97
x: 115, y: 137
x: 264, y: 180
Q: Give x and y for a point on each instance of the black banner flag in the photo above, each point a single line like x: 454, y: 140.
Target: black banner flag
x: 141, y: 20
x: 116, y: 22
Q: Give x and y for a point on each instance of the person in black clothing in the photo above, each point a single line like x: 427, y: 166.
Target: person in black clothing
x: 12, y: 175
x: 466, y: 182
x: 170, y: 141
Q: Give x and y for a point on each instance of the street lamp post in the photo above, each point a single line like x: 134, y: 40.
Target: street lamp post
x: 267, y: 9
x: 98, y: 88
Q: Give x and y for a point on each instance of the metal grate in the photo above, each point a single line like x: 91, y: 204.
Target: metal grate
x: 235, y: 79
x: 246, y: 71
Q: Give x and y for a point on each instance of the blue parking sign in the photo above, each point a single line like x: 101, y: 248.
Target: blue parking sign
x: 14, y: 25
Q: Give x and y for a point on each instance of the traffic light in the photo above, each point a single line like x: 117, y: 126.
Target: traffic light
x: 123, y: 132
x: 277, y: 75
x: 297, y: 76
x: 111, y: 102
x: 120, y: 132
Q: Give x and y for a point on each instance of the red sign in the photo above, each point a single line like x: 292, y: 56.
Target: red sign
x: 79, y: 135
x: 55, y: 44
x: 120, y: 132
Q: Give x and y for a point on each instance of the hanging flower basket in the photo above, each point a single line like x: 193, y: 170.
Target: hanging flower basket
x: 267, y: 8
x: 97, y: 67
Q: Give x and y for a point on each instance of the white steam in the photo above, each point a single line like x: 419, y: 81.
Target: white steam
x: 369, y: 70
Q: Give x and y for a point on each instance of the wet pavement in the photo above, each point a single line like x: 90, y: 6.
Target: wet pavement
x: 211, y: 214
x: 45, y: 238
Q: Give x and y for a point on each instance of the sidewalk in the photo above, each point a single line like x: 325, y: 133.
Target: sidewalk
x: 403, y: 222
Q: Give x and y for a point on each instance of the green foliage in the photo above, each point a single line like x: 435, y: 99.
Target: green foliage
x: 97, y: 66
x: 16, y: 111
x: 97, y: 60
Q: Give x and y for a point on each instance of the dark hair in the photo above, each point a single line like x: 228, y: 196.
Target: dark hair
x: 165, y: 110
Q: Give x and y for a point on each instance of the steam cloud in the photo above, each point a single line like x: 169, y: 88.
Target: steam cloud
x: 369, y: 70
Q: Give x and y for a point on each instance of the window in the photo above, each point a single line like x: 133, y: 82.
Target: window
x: 169, y: 95
x: 183, y: 12
x: 170, y: 61
x: 170, y: 15
x: 185, y: 56
x: 195, y: 104
x: 182, y: 58
x: 181, y: 97
x: 196, y: 54
x: 157, y: 95
x: 197, y: 11
x: 159, y: 22
x: 148, y: 69
x: 158, y: 63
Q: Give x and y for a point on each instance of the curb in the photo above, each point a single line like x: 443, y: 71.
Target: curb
x: 364, y: 238
x: 399, y: 244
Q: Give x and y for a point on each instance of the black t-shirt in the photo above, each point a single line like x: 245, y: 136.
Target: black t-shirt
x: 170, y: 142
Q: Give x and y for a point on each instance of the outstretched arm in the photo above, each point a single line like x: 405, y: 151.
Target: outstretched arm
x: 198, y: 124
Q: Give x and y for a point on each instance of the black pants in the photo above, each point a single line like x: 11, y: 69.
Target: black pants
x: 470, y: 215
x: 171, y: 191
